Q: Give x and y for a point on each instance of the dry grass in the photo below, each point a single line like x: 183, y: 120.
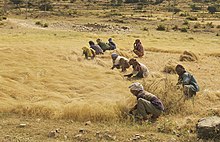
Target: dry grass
x: 44, y: 75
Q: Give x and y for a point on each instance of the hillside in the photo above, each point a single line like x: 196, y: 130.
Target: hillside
x: 47, y: 84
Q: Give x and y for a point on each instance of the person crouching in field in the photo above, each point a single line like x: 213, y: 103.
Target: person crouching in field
x: 88, y: 52
x: 138, y: 48
x: 103, y: 45
x: 97, y: 48
x: 147, y: 103
x: 120, y: 62
x: 111, y: 44
x: 190, y: 86
x: 139, y: 69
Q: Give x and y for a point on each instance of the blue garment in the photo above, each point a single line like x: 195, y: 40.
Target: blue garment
x: 188, y: 79
x: 112, y: 45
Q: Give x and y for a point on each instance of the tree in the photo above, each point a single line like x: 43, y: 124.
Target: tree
x: 45, y: 5
x: 16, y: 2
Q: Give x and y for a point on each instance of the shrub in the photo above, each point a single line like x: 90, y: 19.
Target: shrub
x: 184, y: 14
x: 161, y: 28
x: 212, y: 9
x: 45, y: 5
x: 72, y: 1
x: 173, y: 9
x: 192, y: 18
x: 45, y: 25
x: 218, y: 26
x: 4, y: 18
x: 183, y: 29
x: 197, y: 25
x: 38, y: 23
x: 175, y: 28
x: 167, y: 91
x: 210, y: 25
x: 145, y: 29
x: 195, y: 8
x: 186, y: 22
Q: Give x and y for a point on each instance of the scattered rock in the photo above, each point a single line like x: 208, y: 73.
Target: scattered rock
x: 38, y: 120
x: 54, y: 133
x: 137, y: 137
x: 22, y: 125
x: 88, y: 123
x: 109, y: 137
x: 208, y: 128
x: 188, y: 56
x: 78, y: 136
x: 82, y: 130
x: 172, y: 140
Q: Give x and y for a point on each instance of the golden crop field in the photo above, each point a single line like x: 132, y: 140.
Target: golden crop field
x: 46, y: 83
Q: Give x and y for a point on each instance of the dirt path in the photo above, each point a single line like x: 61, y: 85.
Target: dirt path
x: 25, y: 23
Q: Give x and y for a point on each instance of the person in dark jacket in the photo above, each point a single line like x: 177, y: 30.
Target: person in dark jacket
x: 103, y: 45
x: 187, y: 80
x: 147, y: 103
x: 138, y: 48
x: 97, y: 48
x: 111, y: 44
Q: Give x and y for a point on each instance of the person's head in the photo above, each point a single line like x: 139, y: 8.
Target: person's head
x: 91, y: 43
x: 132, y: 61
x: 137, y: 41
x: 135, y: 88
x: 180, y: 69
x: 98, y: 40
x: 110, y: 39
x: 85, y: 48
x: 114, y: 56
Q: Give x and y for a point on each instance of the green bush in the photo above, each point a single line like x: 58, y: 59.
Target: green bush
x: 186, y: 22
x: 45, y: 5
x: 210, y: 25
x: 175, y: 28
x: 4, y: 18
x: 197, y: 25
x: 192, y: 18
x: 38, y: 23
x: 184, y: 14
x: 41, y: 24
x: 195, y: 8
x: 173, y: 9
x: 161, y: 28
x: 212, y: 9
x: 183, y: 29
x: 45, y: 25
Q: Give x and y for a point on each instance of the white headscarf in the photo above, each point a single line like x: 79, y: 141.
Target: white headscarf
x: 136, y: 86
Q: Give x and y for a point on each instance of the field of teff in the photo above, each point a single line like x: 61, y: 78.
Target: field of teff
x: 47, y: 84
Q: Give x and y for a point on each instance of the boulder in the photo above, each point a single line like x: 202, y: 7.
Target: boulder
x: 208, y: 128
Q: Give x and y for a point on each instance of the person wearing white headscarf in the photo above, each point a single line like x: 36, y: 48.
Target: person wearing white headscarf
x: 119, y: 62
x: 147, y: 103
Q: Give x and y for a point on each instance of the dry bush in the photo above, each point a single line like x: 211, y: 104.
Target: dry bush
x: 170, y: 67
x: 166, y: 90
x: 188, y: 56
